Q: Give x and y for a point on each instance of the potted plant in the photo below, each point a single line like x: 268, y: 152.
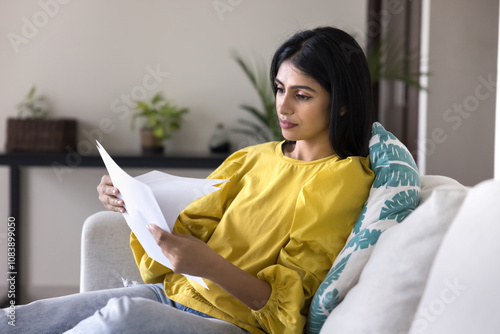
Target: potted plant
x: 32, y: 132
x: 265, y: 126
x: 161, y: 119
x: 33, y: 106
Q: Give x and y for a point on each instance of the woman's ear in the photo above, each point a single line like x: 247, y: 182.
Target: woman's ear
x: 343, y: 110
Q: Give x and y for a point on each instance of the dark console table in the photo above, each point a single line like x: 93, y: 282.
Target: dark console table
x: 16, y: 161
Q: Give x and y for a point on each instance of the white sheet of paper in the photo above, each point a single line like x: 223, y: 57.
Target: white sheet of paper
x: 175, y: 193
x: 155, y: 198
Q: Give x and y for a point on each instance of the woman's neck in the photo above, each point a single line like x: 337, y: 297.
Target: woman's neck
x: 305, y: 151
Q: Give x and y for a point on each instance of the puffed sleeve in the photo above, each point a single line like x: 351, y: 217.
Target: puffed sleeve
x: 199, y: 219
x: 151, y: 271
x: 326, y: 209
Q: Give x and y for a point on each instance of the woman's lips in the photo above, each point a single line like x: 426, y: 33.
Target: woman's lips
x: 286, y: 124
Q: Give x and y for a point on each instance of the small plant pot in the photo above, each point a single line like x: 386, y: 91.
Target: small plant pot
x: 150, y: 144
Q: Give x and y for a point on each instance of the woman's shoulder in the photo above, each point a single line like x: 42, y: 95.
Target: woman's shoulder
x: 352, y: 162
x: 245, y: 156
x: 253, y: 151
x: 351, y: 176
x: 351, y: 167
x: 268, y: 146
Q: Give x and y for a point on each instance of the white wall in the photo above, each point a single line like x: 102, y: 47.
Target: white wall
x: 462, y: 89
x: 89, y: 54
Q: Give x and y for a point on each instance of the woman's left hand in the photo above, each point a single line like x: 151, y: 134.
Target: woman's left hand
x: 187, y: 254
x: 191, y: 256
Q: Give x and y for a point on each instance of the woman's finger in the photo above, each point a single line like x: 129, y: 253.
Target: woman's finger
x: 112, y: 191
x: 158, y: 234
x: 107, y: 195
x: 115, y: 201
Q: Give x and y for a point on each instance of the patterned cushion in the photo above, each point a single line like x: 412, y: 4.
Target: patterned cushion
x: 394, y: 195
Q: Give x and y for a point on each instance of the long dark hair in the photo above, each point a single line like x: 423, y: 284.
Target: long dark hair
x: 337, y: 62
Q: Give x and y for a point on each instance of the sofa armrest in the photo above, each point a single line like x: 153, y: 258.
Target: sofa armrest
x: 106, y: 259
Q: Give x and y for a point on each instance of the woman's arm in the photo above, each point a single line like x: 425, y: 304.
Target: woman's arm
x: 189, y: 255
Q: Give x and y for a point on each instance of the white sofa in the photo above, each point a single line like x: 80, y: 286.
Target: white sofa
x: 436, y: 272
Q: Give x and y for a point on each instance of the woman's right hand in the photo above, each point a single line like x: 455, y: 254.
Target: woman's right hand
x: 107, y: 195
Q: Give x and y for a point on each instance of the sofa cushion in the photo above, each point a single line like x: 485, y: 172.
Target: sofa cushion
x: 106, y: 259
x: 392, y: 281
x: 394, y: 194
x: 429, y: 183
x: 462, y: 294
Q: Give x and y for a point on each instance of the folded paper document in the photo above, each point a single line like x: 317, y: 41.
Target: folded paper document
x: 155, y: 198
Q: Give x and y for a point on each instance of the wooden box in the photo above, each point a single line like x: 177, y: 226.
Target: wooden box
x: 40, y: 135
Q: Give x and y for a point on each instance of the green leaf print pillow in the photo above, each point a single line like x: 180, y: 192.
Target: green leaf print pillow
x: 395, y: 193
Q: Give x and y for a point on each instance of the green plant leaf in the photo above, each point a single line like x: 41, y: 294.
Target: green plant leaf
x: 256, y: 131
x: 252, y: 125
x: 157, y: 98
x: 31, y: 93
x: 263, y: 118
x: 266, y: 115
x: 32, y: 106
x: 387, y: 61
x: 246, y: 69
x: 142, y: 106
x: 174, y: 126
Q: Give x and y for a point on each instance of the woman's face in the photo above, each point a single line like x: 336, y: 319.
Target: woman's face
x: 303, y: 105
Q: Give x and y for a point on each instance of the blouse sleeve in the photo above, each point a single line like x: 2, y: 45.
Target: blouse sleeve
x: 326, y: 210
x: 200, y: 218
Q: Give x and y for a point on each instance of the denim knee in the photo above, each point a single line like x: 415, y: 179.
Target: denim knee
x: 120, y: 315
x: 139, y: 315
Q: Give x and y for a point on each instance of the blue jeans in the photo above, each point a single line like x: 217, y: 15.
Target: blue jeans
x: 134, y: 309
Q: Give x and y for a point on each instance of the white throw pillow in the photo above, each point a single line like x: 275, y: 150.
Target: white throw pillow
x: 389, y: 288
x: 431, y: 182
x: 462, y: 295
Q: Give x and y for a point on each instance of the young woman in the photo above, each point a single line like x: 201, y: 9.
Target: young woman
x: 266, y: 240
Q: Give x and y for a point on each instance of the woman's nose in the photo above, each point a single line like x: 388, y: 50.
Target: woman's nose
x: 283, y: 106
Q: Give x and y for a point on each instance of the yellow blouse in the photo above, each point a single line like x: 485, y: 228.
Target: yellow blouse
x: 280, y: 219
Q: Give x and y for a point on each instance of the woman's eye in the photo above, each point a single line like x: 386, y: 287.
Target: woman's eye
x: 303, y: 97
x: 280, y: 90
